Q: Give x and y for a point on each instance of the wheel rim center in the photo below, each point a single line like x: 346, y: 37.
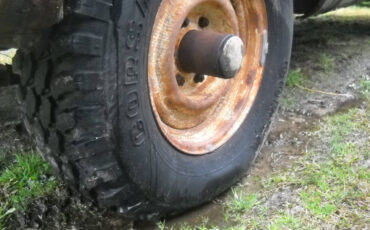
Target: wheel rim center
x: 211, y: 53
x: 201, y: 86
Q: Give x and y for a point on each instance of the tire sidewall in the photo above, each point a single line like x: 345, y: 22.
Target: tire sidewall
x: 162, y: 172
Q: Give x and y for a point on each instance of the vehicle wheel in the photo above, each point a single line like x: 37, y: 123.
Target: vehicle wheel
x: 110, y: 106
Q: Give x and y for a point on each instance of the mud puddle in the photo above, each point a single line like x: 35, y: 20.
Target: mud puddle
x: 335, y: 89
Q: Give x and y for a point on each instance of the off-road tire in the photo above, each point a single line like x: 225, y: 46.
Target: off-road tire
x: 76, y: 105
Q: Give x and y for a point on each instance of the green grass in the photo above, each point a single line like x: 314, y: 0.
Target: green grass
x: 365, y: 86
x: 243, y: 202
x: 364, y: 3
x: 285, y: 221
x: 27, y: 178
x: 331, y: 186
x: 295, y: 78
x: 161, y: 225
x: 326, y: 62
x: 333, y: 182
x: 203, y: 226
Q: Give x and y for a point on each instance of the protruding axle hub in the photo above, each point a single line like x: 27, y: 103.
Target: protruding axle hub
x: 210, y: 53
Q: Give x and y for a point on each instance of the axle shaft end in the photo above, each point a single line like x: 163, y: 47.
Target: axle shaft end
x: 231, y: 57
x: 210, y: 53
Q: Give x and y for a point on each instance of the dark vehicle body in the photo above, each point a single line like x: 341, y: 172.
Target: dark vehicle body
x: 22, y: 21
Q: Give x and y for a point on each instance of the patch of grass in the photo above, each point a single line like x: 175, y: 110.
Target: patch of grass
x: 365, y: 86
x: 315, y: 202
x: 275, y: 179
x: 202, y: 226
x: 326, y: 62
x: 5, y: 211
x: 161, y: 225
x: 334, y: 181
x: 29, y: 177
x: 295, y: 78
x: 364, y: 3
x: 285, y: 221
x: 331, y: 185
x: 242, y: 202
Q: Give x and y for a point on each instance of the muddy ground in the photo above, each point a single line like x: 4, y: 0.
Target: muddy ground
x: 330, y: 87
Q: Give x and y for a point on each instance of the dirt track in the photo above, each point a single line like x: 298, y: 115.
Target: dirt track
x: 329, y: 89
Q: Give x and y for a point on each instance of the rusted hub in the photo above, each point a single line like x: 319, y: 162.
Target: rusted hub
x: 195, y: 111
x: 210, y: 53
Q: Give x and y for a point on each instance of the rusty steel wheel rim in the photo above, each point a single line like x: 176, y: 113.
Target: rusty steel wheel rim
x: 198, y: 114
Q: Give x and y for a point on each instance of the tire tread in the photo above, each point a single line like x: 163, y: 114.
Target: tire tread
x: 66, y: 109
